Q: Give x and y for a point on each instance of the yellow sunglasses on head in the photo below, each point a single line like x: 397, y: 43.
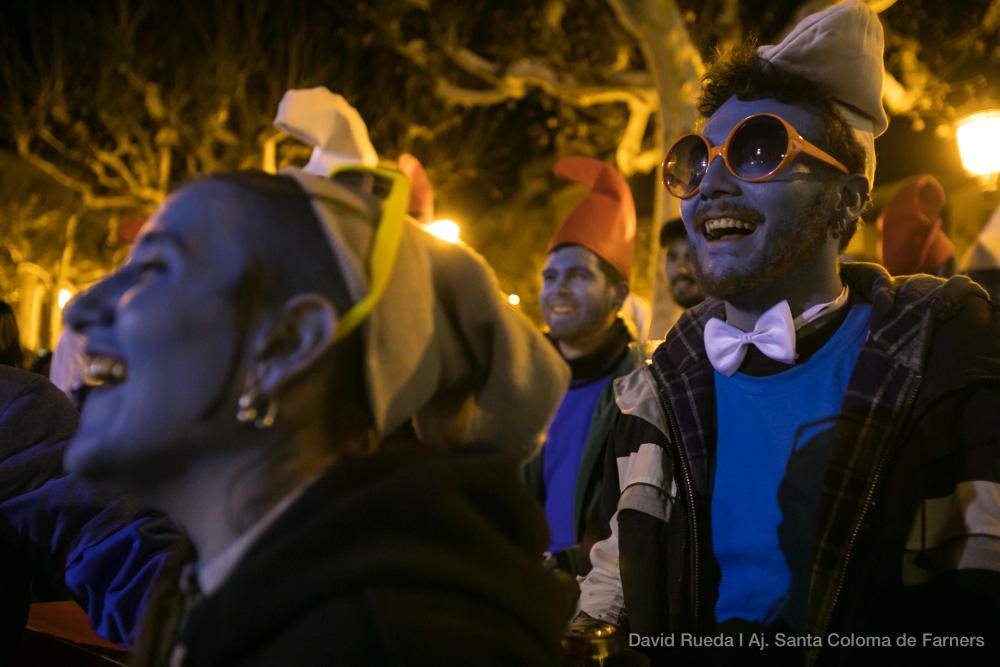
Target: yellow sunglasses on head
x: 385, y: 242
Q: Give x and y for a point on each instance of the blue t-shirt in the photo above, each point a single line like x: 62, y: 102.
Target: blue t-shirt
x: 561, y: 458
x: 774, y: 436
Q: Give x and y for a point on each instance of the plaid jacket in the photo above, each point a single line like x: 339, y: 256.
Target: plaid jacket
x: 909, y: 526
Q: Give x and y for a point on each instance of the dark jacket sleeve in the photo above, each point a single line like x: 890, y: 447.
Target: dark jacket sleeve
x: 71, y: 537
x: 950, y: 566
x: 625, y: 562
x: 951, y: 560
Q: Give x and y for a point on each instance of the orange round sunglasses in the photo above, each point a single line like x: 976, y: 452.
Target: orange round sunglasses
x: 757, y: 149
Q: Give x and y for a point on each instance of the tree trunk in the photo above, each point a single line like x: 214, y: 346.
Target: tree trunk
x: 676, y: 67
x: 62, y: 280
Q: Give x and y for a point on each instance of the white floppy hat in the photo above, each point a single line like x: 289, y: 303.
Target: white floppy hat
x: 841, y: 48
x: 442, y: 345
x: 328, y: 123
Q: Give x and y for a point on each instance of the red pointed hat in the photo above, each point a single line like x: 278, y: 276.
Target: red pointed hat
x: 421, y: 194
x: 129, y: 228
x: 604, y: 222
x: 912, y: 238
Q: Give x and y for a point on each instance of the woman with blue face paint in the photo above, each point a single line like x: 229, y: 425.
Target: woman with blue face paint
x: 301, y: 378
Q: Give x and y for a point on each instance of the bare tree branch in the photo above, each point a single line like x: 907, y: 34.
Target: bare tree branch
x: 51, y: 170
x: 991, y: 19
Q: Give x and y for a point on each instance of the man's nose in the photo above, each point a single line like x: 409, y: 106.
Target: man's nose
x: 718, y: 181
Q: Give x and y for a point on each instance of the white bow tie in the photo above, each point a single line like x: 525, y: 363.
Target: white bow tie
x: 773, y: 335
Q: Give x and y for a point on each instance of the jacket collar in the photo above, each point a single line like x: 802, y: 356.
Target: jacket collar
x: 602, y: 361
x: 898, y: 305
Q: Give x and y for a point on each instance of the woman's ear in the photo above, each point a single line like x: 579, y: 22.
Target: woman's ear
x: 301, y: 335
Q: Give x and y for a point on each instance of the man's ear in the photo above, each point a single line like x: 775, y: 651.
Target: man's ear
x: 853, y: 196
x: 301, y: 335
x: 621, y: 293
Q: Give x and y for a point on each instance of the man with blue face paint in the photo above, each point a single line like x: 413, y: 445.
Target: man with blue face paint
x: 812, y: 456
x: 584, y: 283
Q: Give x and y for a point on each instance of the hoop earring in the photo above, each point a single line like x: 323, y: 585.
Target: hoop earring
x: 249, y: 411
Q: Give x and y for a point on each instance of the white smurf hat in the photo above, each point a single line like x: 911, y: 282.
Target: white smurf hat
x: 841, y: 49
x: 443, y: 348
x: 328, y: 123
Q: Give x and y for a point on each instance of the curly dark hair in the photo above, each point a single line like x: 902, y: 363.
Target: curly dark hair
x: 744, y: 74
x: 749, y: 77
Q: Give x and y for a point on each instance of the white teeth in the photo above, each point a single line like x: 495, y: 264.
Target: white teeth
x: 102, y: 369
x: 718, y: 224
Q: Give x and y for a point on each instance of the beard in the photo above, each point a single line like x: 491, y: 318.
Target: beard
x: 686, y: 293
x: 778, y: 259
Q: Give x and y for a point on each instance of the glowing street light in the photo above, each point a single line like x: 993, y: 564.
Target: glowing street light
x: 447, y: 230
x: 513, y: 299
x: 63, y: 297
x: 979, y: 142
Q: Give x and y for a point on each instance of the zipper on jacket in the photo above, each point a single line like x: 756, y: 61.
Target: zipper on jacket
x: 689, y: 489
x: 911, y: 395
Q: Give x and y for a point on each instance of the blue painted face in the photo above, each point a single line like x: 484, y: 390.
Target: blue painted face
x: 162, y: 336
x: 578, y: 302
x: 752, y: 238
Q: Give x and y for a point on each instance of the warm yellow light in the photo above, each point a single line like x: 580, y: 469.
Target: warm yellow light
x: 64, y: 296
x: 979, y: 142
x: 513, y: 299
x: 444, y: 229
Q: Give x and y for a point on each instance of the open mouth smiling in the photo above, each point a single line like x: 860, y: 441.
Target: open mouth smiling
x: 562, y: 309
x: 727, y: 228
x: 104, y: 370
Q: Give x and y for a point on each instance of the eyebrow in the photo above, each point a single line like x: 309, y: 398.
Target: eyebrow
x: 575, y: 268
x: 163, y: 236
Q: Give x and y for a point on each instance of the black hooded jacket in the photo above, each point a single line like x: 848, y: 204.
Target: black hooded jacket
x: 406, y: 557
